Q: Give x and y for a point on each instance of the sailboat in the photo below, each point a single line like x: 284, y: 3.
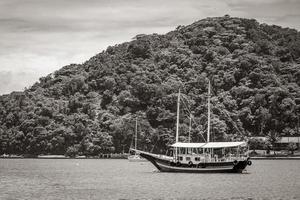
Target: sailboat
x: 207, y: 157
x: 136, y: 157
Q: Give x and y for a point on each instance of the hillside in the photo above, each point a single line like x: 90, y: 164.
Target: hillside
x: 90, y: 108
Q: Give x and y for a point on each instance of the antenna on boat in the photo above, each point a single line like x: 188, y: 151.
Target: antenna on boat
x: 208, y: 115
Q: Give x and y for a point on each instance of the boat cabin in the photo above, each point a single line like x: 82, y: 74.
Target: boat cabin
x: 195, y: 153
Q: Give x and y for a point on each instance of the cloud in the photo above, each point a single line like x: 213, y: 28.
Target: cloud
x: 13, y: 80
x: 279, y: 12
x: 40, y: 36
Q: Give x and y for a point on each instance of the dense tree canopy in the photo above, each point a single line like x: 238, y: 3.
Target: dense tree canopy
x: 90, y: 108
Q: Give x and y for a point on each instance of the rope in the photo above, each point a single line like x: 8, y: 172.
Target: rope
x: 230, y: 119
x: 190, y: 113
x: 155, y: 144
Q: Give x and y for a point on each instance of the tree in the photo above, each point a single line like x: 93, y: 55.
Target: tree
x: 292, y: 147
x: 257, y: 144
x: 72, y: 151
x: 140, y: 48
x: 83, y: 108
x: 272, y: 138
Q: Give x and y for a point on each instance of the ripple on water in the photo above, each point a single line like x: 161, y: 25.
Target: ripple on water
x: 120, y: 179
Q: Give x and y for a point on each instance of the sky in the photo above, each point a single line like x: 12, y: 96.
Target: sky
x: 38, y: 37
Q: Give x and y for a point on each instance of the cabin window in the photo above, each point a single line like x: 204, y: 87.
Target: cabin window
x: 170, y: 152
x: 182, y: 150
x: 180, y: 158
x: 200, y: 150
x: 197, y: 158
x: 188, y: 158
x: 195, y: 151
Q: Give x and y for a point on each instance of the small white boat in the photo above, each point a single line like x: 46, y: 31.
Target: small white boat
x: 136, y: 156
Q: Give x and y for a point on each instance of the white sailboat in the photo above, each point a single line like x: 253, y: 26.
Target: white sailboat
x: 136, y: 157
x: 207, y: 157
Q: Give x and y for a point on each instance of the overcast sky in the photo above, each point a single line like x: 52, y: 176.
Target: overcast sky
x: 38, y: 37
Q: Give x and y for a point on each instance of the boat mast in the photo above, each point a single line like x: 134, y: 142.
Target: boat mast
x: 190, y: 127
x: 135, y: 144
x: 208, y: 115
x: 177, y: 122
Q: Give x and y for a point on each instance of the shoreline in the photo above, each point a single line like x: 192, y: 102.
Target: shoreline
x: 275, y: 158
x: 122, y: 156
x: 103, y: 156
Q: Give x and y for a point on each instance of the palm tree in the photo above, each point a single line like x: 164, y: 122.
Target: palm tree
x: 272, y: 138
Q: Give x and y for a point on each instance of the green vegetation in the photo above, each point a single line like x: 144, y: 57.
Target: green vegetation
x: 90, y: 108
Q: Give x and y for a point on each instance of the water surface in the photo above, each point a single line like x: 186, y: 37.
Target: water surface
x: 120, y: 179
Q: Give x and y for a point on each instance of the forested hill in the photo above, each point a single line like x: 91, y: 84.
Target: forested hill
x: 91, y: 108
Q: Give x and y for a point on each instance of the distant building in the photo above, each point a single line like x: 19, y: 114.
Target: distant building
x: 284, y: 141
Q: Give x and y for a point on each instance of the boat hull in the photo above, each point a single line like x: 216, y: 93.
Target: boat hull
x: 165, y: 165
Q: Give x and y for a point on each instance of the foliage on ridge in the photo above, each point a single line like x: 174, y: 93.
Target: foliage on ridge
x: 91, y: 108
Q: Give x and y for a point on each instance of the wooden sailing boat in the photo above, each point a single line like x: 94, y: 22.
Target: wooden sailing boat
x: 211, y: 157
x: 136, y: 157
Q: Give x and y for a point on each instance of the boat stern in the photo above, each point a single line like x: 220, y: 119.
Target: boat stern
x: 240, y: 166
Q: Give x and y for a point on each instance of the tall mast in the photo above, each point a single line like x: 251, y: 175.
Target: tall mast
x: 135, y: 145
x: 177, y: 123
x: 208, y: 115
x: 190, y: 127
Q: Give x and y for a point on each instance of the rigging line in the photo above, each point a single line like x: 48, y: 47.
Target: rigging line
x: 189, y: 112
x: 233, y: 123
x: 184, y: 103
x: 197, y: 126
x: 155, y: 144
x: 230, y: 119
x: 131, y: 142
x: 201, y: 135
x: 199, y: 129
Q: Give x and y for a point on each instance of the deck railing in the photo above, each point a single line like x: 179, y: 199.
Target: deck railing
x: 208, y: 158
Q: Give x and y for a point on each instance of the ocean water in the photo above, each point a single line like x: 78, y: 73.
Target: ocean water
x: 120, y: 179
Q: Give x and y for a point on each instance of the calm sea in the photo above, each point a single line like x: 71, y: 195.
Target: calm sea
x: 120, y: 179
